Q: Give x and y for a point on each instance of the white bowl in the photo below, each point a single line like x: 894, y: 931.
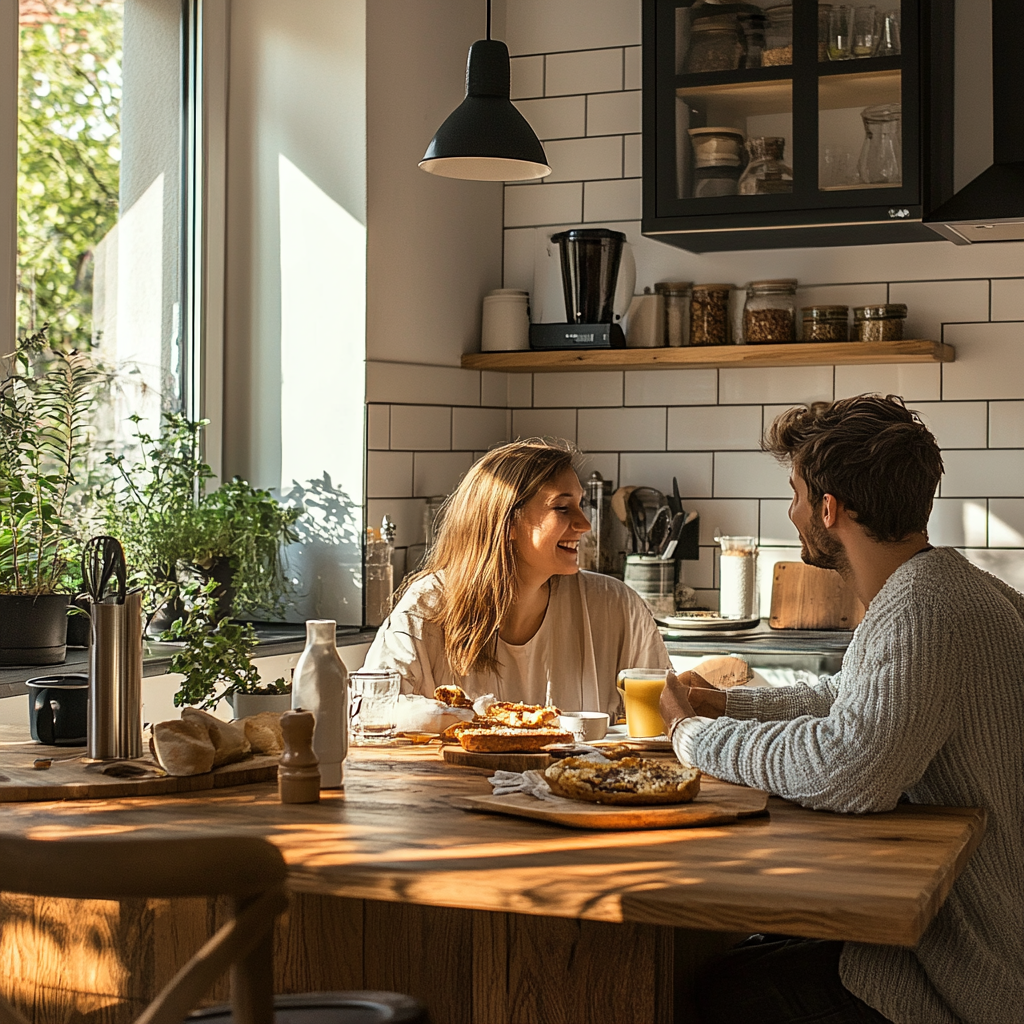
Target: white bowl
x: 585, y: 726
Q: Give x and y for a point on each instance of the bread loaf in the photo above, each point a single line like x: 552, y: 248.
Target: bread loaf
x: 505, y: 740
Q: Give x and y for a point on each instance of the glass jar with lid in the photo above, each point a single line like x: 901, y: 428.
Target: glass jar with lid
x: 769, y: 314
x: 709, y: 314
x: 778, y: 36
x: 714, y: 46
x: 677, y: 311
x: 826, y: 323
x: 880, y: 323
x: 766, y: 174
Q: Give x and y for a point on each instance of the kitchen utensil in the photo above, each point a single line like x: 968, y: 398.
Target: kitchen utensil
x: 103, y: 560
x: 636, y: 514
x: 668, y: 548
x: 805, y: 597
x: 657, y: 532
x: 646, y: 500
x: 618, y: 504
x: 115, y: 678
x: 675, y: 502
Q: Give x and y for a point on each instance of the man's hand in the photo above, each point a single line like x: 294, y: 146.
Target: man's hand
x: 686, y: 696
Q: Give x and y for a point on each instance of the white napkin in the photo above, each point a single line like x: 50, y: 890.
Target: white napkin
x: 533, y: 782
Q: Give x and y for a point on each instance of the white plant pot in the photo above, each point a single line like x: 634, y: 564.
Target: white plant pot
x: 245, y: 704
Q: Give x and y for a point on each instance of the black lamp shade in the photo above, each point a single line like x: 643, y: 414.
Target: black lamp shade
x: 485, y: 138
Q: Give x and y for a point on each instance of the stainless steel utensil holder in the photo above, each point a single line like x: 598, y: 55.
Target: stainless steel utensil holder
x: 115, y: 679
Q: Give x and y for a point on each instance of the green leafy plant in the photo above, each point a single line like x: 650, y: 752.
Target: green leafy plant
x: 169, y: 524
x: 45, y: 412
x: 216, y: 659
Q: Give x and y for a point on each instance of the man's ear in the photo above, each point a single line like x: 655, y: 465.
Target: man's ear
x: 830, y: 508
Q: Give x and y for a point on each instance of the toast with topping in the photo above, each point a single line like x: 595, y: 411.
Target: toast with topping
x: 637, y: 781
x: 505, y: 740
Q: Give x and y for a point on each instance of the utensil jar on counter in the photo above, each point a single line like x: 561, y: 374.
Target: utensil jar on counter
x: 115, y: 679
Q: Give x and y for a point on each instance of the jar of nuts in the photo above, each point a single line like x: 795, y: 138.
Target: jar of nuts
x: 880, y: 323
x: 826, y: 323
x: 769, y: 315
x: 709, y: 314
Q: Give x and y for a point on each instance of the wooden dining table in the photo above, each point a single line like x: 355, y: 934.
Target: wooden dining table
x: 486, y: 918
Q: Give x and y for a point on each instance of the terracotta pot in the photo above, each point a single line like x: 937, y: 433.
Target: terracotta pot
x: 33, y: 630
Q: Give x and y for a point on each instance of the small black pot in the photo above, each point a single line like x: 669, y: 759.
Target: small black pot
x: 33, y: 630
x: 78, y: 624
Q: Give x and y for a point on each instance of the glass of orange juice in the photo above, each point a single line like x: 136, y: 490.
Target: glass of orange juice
x: 641, y: 694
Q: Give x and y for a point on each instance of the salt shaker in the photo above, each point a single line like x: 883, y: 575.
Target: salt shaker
x: 321, y: 686
x: 298, y: 777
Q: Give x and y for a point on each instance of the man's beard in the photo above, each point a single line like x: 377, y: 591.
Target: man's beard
x: 819, y: 548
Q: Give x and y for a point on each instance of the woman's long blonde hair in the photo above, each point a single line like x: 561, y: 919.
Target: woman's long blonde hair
x: 474, y: 550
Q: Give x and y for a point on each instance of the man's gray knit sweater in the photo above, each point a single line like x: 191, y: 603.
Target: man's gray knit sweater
x: 930, y: 703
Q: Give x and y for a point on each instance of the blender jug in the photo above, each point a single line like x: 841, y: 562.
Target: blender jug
x: 590, y: 260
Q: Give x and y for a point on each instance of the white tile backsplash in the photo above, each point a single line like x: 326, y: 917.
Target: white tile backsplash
x: 956, y: 424
x: 543, y: 204
x: 989, y: 361
x: 585, y: 159
x: 632, y: 156
x: 527, y: 77
x: 913, y: 381
x: 413, y: 384
x: 732, y: 518
x: 561, y: 117
x: 577, y: 389
x: 776, y: 527
x: 421, y: 427
x: 930, y: 304
x: 656, y: 469
x: 613, y: 113
x: 439, y: 472
x: 958, y: 522
x: 544, y: 26
x: 785, y: 384
x: 573, y: 74
x: 560, y: 423
x: 378, y: 426
x: 622, y: 429
x: 997, y: 473
x: 611, y: 200
x: 476, y: 429
x: 750, y: 475
x: 1008, y: 299
x: 389, y: 474
x: 1006, y: 522
x: 671, y: 387
x: 406, y: 513
x: 1006, y: 424
x: 632, y: 67
x: 714, y: 428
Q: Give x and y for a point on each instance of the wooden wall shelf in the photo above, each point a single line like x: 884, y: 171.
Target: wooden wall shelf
x: 799, y: 354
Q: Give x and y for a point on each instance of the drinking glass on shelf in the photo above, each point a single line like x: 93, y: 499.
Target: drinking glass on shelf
x: 889, y: 35
x: 840, y: 32
x: 865, y: 31
x: 373, y: 706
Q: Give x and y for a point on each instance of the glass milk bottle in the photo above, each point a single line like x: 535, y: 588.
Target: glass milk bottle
x: 737, y: 597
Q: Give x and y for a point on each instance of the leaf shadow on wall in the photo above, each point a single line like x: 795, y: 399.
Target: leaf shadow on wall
x: 328, y: 557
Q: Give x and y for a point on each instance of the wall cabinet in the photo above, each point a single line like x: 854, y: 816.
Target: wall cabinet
x: 815, y: 145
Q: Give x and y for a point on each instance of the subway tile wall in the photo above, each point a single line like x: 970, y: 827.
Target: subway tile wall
x: 426, y: 424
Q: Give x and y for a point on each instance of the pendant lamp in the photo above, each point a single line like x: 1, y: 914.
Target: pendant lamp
x: 485, y: 138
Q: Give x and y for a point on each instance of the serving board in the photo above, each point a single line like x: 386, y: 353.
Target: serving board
x: 718, y: 803
x: 509, y: 761
x: 805, y: 597
x: 74, y: 780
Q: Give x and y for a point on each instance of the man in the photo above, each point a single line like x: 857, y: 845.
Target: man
x: 929, y: 704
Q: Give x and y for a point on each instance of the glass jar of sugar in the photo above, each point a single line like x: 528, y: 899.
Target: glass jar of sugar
x: 737, y: 595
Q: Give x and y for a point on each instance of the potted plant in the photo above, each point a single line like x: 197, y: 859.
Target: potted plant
x: 216, y: 660
x: 170, y: 526
x: 46, y: 403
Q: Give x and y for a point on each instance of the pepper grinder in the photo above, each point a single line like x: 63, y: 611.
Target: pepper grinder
x: 298, y: 774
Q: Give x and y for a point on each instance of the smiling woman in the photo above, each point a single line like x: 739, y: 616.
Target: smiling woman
x: 502, y: 606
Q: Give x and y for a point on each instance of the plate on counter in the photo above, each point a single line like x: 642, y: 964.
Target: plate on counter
x: 703, y: 620
x: 620, y: 734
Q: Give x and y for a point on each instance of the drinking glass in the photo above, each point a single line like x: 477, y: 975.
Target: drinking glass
x: 641, y: 695
x: 889, y: 35
x: 840, y: 32
x: 373, y: 706
x: 865, y: 31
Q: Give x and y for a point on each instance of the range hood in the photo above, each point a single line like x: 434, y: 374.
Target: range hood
x: 990, y: 207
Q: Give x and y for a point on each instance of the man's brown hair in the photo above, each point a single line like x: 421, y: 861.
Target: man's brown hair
x: 872, y: 453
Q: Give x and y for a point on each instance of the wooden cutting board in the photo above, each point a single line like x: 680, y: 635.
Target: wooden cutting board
x: 718, y: 803
x: 805, y: 597
x: 73, y: 780
x: 506, y: 762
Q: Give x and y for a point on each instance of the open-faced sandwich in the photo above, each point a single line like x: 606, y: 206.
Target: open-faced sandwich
x: 629, y: 780
x: 505, y: 727
x: 503, y: 739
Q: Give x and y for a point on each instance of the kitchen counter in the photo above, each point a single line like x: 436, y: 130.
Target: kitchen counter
x: 489, y: 918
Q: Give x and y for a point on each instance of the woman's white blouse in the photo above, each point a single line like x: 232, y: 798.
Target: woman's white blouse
x: 594, y: 627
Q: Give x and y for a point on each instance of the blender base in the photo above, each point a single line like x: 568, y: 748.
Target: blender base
x: 571, y: 336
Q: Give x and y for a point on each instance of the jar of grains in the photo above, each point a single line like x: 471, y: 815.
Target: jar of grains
x: 826, y: 323
x: 778, y: 37
x: 677, y: 308
x: 709, y: 314
x: 769, y: 315
x: 880, y: 323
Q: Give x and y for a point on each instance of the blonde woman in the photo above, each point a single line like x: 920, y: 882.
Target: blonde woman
x: 502, y: 607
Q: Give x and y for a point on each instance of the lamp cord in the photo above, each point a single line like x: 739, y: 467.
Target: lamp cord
x: 488, y: 19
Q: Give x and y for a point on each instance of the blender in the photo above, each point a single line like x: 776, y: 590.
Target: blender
x: 590, y: 260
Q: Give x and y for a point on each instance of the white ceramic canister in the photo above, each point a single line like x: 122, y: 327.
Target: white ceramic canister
x: 505, y: 326
x: 321, y: 686
x: 645, y: 322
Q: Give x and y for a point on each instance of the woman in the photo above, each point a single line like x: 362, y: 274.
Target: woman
x: 502, y: 607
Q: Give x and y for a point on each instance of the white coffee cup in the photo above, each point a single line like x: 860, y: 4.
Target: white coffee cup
x: 505, y: 325
x: 585, y: 726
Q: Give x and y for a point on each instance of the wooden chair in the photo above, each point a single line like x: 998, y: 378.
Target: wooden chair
x: 251, y: 872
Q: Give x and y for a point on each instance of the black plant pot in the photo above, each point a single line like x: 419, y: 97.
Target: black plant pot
x: 78, y: 624
x: 165, y: 616
x: 33, y: 630
x: 223, y: 575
